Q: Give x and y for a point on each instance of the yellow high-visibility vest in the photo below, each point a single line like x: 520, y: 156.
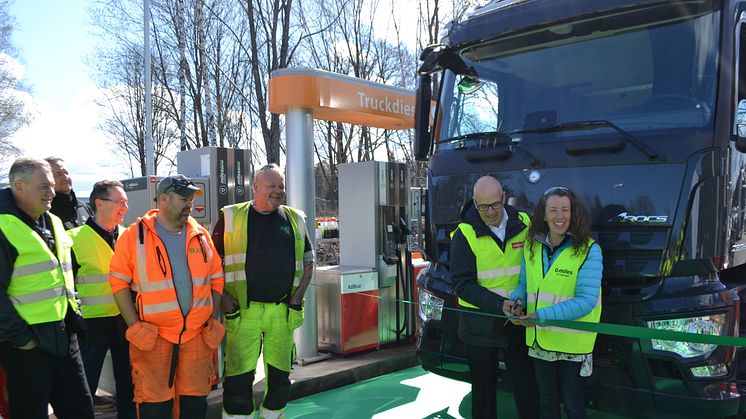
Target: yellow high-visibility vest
x: 93, y: 255
x: 556, y: 286
x: 497, y: 270
x: 41, y: 285
x: 236, y: 243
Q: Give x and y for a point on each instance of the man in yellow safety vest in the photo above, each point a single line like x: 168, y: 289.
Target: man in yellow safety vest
x: 38, y: 311
x: 486, y: 251
x: 268, y: 263
x: 93, y: 248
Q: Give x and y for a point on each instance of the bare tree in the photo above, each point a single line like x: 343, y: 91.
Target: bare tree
x: 13, y: 112
x: 183, y: 65
x: 213, y: 59
x: 270, y: 46
x: 125, y: 121
x: 204, y: 74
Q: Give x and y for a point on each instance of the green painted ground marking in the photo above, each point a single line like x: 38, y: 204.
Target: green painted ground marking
x: 407, y: 394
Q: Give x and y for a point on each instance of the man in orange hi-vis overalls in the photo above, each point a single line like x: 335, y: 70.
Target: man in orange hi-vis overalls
x: 170, y: 262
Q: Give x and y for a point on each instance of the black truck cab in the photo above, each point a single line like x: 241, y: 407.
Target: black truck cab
x: 638, y: 107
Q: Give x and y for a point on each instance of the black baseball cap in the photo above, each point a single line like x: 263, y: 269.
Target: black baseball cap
x: 178, y: 184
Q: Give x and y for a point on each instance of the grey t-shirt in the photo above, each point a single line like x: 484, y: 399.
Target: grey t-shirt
x: 176, y: 249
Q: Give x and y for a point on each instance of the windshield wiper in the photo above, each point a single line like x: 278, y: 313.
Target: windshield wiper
x: 589, y: 125
x: 496, y: 137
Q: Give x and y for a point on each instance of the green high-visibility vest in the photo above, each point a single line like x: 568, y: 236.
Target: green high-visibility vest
x: 556, y: 286
x: 41, y: 285
x: 497, y: 270
x: 93, y: 255
x: 235, y: 243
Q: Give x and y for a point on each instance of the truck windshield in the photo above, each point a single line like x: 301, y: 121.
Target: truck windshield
x: 637, y: 73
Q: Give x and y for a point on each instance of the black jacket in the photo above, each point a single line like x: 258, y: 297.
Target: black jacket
x: 51, y: 337
x: 101, y: 330
x: 72, y: 212
x: 476, y: 328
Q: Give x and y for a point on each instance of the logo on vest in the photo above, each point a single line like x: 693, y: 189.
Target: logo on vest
x: 518, y: 245
x: 195, y: 250
x: 565, y: 273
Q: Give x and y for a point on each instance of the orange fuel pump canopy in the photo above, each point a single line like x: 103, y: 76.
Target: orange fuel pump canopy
x: 336, y: 97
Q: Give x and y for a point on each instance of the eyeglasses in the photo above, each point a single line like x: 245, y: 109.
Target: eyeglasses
x: 494, y: 206
x: 120, y: 202
x: 556, y: 189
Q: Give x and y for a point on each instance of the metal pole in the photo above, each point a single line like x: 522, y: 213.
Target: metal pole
x: 301, y: 194
x: 149, y: 152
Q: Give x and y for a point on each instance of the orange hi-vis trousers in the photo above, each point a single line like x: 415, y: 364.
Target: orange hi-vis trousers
x: 150, y: 370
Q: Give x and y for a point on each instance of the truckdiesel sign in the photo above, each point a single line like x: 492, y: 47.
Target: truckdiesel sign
x: 337, y: 97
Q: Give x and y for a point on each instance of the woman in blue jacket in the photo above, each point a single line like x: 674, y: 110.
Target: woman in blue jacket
x: 560, y: 280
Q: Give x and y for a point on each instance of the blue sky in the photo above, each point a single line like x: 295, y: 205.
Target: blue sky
x: 53, y: 38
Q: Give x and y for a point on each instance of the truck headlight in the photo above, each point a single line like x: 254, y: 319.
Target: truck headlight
x: 431, y: 307
x: 705, y: 325
x: 715, y: 370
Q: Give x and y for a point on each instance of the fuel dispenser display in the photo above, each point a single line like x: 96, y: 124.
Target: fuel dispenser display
x: 224, y: 171
x: 141, y: 194
x: 218, y: 171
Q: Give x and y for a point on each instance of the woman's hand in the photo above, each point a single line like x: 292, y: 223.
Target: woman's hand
x: 527, y: 316
x: 508, y: 307
x: 512, y: 308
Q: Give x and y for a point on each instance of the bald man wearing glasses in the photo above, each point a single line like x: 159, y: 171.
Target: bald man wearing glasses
x: 485, y: 258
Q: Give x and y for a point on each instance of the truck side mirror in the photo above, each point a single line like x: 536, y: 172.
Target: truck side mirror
x: 741, y: 126
x: 422, y: 134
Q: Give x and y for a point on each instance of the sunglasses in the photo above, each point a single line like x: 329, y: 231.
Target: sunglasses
x: 178, y: 184
x: 47, y: 236
x: 557, y: 189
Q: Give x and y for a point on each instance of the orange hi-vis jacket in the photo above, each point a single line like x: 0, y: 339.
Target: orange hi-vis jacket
x: 141, y: 263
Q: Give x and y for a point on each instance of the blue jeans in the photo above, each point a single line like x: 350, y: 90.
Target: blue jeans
x: 560, y: 380
x: 93, y: 361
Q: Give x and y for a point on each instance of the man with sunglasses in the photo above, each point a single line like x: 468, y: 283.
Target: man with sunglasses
x: 486, y: 251
x: 38, y: 320
x: 65, y: 204
x: 93, y: 248
x: 170, y: 262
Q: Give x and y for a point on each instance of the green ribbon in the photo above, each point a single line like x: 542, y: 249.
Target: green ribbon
x: 612, y: 329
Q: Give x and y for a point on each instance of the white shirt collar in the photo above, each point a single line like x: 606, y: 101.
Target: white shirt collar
x: 499, y: 231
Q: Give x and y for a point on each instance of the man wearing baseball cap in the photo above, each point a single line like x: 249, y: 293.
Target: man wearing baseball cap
x: 170, y: 262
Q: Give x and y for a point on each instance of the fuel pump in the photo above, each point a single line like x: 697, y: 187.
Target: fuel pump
x: 220, y: 172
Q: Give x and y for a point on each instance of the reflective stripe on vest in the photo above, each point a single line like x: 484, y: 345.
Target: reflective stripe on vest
x: 146, y: 286
x: 41, y: 285
x: 93, y: 255
x: 497, y: 271
x: 235, y: 243
x: 556, y: 287
x: 142, y: 261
